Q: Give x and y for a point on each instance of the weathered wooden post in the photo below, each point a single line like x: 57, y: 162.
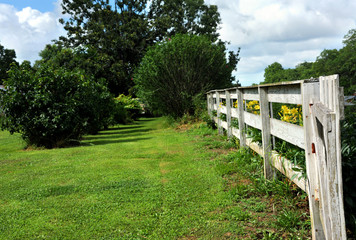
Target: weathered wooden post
x: 240, y: 109
x: 220, y: 129
x: 228, y: 113
x: 269, y: 171
x: 309, y: 91
x: 210, y: 104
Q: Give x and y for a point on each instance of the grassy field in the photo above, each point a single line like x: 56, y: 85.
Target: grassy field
x: 144, y: 181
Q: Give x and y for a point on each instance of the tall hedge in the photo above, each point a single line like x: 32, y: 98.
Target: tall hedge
x: 175, y: 71
x: 53, y: 107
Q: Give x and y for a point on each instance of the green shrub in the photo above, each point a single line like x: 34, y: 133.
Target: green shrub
x: 53, y: 107
x: 127, y: 109
x: 175, y: 73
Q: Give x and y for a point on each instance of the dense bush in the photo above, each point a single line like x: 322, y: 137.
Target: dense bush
x: 348, y: 137
x: 52, y: 106
x: 175, y: 71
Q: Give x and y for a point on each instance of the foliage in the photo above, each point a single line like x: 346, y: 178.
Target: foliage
x: 223, y: 117
x: 52, y: 106
x: 126, y: 109
x: 7, y: 57
x: 273, y: 73
x: 255, y: 134
x: 170, y: 17
x: 117, y: 36
x: 119, y: 32
x: 175, y: 71
x: 293, y: 153
x: 235, y: 123
x: 348, y: 148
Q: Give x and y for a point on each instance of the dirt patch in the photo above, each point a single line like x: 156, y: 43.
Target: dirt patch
x: 164, y: 171
x: 164, y: 180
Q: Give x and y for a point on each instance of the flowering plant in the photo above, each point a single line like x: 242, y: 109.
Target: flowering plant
x: 292, y: 115
x: 253, y: 107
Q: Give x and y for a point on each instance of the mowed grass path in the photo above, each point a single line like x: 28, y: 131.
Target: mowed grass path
x: 140, y: 181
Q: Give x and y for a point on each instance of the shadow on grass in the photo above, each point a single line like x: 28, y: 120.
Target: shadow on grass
x: 111, y: 141
x: 146, y: 119
x: 109, y: 130
x: 118, y: 134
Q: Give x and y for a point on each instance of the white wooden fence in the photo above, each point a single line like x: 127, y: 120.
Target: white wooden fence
x: 322, y: 104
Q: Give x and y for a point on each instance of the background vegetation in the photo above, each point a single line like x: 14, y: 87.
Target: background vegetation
x: 330, y: 61
x: 180, y: 69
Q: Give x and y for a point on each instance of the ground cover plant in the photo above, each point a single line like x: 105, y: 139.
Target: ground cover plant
x: 144, y: 181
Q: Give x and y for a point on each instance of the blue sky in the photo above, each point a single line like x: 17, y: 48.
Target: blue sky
x: 288, y: 32
x: 41, y: 5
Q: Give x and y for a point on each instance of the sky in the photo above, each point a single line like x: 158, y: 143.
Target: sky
x: 267, y: 31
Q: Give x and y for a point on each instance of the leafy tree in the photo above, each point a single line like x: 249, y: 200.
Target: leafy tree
x: 7, y: 56
x: 170, y: 17
x: 326, y: 63
x: 273, y: 73
x: 347, y: 62
x: 174, y: 72
x: 120, y: 33
x: 52, y: 107
x: 304, y: 71
x: 116, y: 36
x: 79, y: 58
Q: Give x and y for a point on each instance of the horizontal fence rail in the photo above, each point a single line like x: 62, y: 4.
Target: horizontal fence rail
x: 319, y: 137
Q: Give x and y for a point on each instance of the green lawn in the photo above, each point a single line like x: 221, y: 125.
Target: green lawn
x: 141, y: 181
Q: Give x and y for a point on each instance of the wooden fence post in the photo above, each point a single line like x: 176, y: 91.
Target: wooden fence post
x: 309, y: 91
x: 266, y: 134
x: 210, y: 105
x: 228, y: 113
x: 220, y: 129
x: 273, y: 137
x: 240, y: 109
x: 326, y: 119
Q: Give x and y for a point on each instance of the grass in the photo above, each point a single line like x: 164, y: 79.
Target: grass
x: 144, y: 181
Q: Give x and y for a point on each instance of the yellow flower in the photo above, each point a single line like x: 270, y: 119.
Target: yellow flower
x: 291, y: 115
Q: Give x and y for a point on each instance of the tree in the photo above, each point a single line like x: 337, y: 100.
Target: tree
x: 170, y: 17
x: 326, y: 63
x: 273, y: 73
x: 304, y: 71
x: 117, y: 37
x: 52, y: 106
x: 174, y: 72
x: 347, y: 63
x: 7, y: 56
x: 119, y: 34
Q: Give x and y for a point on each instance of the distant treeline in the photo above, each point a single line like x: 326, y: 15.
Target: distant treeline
x: 330, y: 61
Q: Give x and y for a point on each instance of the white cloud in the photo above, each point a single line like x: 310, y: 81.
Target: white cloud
x: 27, y: 30
x: 289, y: 32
